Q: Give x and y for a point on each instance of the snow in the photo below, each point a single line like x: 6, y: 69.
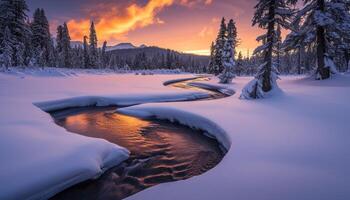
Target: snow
x: 292, y: 145
x: 40, y: 159
x: 122, y: 46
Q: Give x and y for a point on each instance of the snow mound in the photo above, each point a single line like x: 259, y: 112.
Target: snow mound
x: 185, y: 118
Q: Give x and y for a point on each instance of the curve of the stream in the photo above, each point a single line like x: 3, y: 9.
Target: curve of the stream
x: 161, y: 151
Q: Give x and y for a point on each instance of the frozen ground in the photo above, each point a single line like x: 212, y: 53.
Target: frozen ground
x: 294, y: 145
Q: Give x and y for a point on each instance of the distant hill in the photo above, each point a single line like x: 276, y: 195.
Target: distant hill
x: 155, y: 57
x: 121, y: 46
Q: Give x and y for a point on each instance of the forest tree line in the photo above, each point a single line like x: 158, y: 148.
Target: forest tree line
x: 26, y: 42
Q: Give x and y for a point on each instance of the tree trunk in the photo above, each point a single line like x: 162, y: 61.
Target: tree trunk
x: 347, y: 59
x: 322, y: 70
x: 268, y: 55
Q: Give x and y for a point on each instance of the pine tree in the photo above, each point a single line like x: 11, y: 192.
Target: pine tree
x: 268, y: 15
x: 41, y: 38
x: 6, y: 47
x: 93, y: 46
x: 325, y: 25
x: 228, y: 53
x: 59, y: 38
x: 65, y: 54
x: 210, y: 67
x: 86, y: 53
x: 239, y: 65
x: 13, y: 15
x: 103, y: 56
x: 219, y: 48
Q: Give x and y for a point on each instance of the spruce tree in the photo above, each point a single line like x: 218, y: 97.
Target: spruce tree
x: 210, y: 67
x: 66, y: 48
x: 228, y: 53
x: 93, y: 53
x: 239, y: 64
x: 6, y: 47
x: 86, y: 53
x: 219, y: 48
x: 268, y: 15
x: 324, y: 25
x: 13, y: 15
x: 41, y: 38
x: 59, y: 36
x: 103, y: 56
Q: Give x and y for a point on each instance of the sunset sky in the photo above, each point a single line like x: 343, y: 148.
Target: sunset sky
x: 183, y: 25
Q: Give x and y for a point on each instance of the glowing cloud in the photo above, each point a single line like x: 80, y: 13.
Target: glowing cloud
x: 111, y: 25
x: 113, y: 21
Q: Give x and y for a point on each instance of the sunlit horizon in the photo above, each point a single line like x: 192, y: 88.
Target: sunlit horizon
x: 187, y: 26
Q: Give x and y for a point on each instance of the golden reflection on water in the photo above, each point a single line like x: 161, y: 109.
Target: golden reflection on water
x: 160, y: 151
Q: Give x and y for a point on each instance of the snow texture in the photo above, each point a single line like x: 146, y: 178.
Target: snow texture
x: 290, y: 146
x: 40, y: 159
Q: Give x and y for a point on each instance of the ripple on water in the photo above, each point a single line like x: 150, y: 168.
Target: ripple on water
x: 160, y: 152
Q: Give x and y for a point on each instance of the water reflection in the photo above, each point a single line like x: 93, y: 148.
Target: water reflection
x: 160, y: 152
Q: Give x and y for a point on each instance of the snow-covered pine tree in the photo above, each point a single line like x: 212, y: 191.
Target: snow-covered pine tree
x: 210, y: 66
x: 66, y: 48
x: 268, y: 15
x: 13, y: 15
x: 340, y: 32
x: 219, y: 47
x: 103, y: 56
x: 324, y: 24
x: 41, y: 37
x: 239, y: 64
x: 59, y: 35
x: 228, y: 54
x: 86, y: 53
x: 6, y: 47
x: 93, y: 53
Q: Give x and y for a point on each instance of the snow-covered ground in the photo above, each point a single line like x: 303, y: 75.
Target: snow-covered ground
x: 294, y: 145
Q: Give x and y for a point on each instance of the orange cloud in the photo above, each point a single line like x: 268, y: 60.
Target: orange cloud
x: 113, y: 22
x: 110, y: 25
x: 191, y: 3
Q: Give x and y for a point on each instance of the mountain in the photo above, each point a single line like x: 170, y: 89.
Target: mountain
x: 121, y: 46
x: 152, y: 57
x: 75, y: 44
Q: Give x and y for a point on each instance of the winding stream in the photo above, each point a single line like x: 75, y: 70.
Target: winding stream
x: 161, y: 151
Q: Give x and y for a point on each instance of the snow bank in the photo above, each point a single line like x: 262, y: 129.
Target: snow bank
x: 120, y: 100
x: 184, y: 118
x: 39, y: 158
x: 290, y: 146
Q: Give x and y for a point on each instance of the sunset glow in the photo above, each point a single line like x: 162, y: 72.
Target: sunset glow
x: 184, y: 25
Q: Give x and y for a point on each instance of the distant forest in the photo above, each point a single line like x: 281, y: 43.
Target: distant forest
x: 27, y: 42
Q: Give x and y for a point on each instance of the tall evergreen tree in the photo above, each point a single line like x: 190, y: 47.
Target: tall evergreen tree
x: 86, y: 53
x: 268, y: 15
x: 41, y: 38
x: 210, y: 67
x: 239, y: 65
x: 228, y: 53
x: 6, y: 47
x: 65, y: 53
x: 325, y: 24
x: 13, y: 15
x: 59, y: 35
x: 218, y: 66
x: 93, y: 46
x: 103, y: 56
